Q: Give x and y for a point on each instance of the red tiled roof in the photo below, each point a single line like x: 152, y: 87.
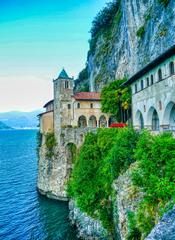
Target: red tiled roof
x: 87, y: 96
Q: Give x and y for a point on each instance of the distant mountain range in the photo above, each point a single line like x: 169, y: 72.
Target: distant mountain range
x: 3, y: 126
x: 16, y: 119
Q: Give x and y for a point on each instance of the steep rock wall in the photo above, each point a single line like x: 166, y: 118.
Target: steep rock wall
x: 127, y: 201
x: 120, y: 52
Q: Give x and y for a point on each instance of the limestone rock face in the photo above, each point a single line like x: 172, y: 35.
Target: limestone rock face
x: 165, y: 229
x: 87, y: 227
x: 54, y: 173
x: 127, y: 200
x: 127, y: 53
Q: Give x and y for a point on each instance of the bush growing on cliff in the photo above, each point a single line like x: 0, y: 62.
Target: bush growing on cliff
x: 122, y: 153
x: 155, y: 176
x: 105, y: 17
x: 50, y: 143
x: 94, y: 172
x: 164, y: 2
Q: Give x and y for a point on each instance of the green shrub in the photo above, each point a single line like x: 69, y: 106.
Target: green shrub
x: 133, y: 233
x: 50, y: 143
x: 93, y: 173
x: 122, y: 153
x: 155, y: 176
x: 164, y: 2
x: 38, y: 142
x: 140, y: 32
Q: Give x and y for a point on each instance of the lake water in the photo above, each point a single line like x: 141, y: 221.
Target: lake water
x: 24, y: 214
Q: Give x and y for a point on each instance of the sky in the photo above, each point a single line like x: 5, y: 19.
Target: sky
x: 37, y: 39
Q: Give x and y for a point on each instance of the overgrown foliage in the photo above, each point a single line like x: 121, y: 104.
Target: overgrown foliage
x: 116, y: 99
x: 155, y: 176
x: 94, y: 171
x: 140, y: 32
x: 82, y: 83
x: 50, y: 143
x: 105, y: 17
x: 38, y: 142
x: 164, y: 2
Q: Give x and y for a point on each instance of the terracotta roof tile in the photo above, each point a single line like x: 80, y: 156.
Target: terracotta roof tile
x: 87, y: 96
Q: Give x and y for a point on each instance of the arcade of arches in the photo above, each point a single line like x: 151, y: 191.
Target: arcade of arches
x: 157, y: 119
x: 93, y: 121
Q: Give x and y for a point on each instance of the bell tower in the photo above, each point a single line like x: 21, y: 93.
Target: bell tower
x: 63, y: 92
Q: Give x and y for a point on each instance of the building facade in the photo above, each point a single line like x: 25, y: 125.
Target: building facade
x: 153, y: 94
x: 67, y: 109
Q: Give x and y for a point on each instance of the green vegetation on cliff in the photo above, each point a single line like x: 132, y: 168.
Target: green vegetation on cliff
x: 106, y: 155
x: 50, y: 143
x: 96, y: 167
x: 155, y: 176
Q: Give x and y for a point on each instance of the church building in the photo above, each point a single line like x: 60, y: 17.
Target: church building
x: 69, y: 110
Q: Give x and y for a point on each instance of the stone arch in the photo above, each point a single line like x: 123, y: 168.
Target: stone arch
x: 70, y: 153
x: 169, y: 116
x: 102, y: 121
x: 139, y: 119
x: 82, y: 122
x: 153, y: 119
x: 92, y: 121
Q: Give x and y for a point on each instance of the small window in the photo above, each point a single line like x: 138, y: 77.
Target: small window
x: 152, y: 80
x: 147, y: 81
x: 136, y: 88
x: 69, y: 106
x: 91, y: 105
x: 159, y: 75
x: 141, y: 84
x: 78, y: 105
x: 171, y: 66
x: 66, y: 85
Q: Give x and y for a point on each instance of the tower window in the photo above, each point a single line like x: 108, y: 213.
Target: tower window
x: 91, y: 105
x: 78, y: 105
x: 69, y: 106
x: 66, y: 84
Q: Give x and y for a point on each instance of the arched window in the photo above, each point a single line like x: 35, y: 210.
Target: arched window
x: 139, y: 121
x: 91, y: 105
x: 69, y: 106
x: 102, y: 121
x: 171, y: 67
x: 136, y: 88
x: 78, y: 105
x: 152, y: 80
x: 159, y: 75
x: 82, y: 122
x: 141, y: 84
x: 66, y: 84
x: 155, y: 121
x: 92, y: 122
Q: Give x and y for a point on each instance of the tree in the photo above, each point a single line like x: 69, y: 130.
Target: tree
x: 116, y: 99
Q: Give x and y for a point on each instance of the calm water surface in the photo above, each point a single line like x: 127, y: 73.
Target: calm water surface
x: 24, y: 214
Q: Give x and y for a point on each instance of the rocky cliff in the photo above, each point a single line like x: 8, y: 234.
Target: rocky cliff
x: 140, y: 31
